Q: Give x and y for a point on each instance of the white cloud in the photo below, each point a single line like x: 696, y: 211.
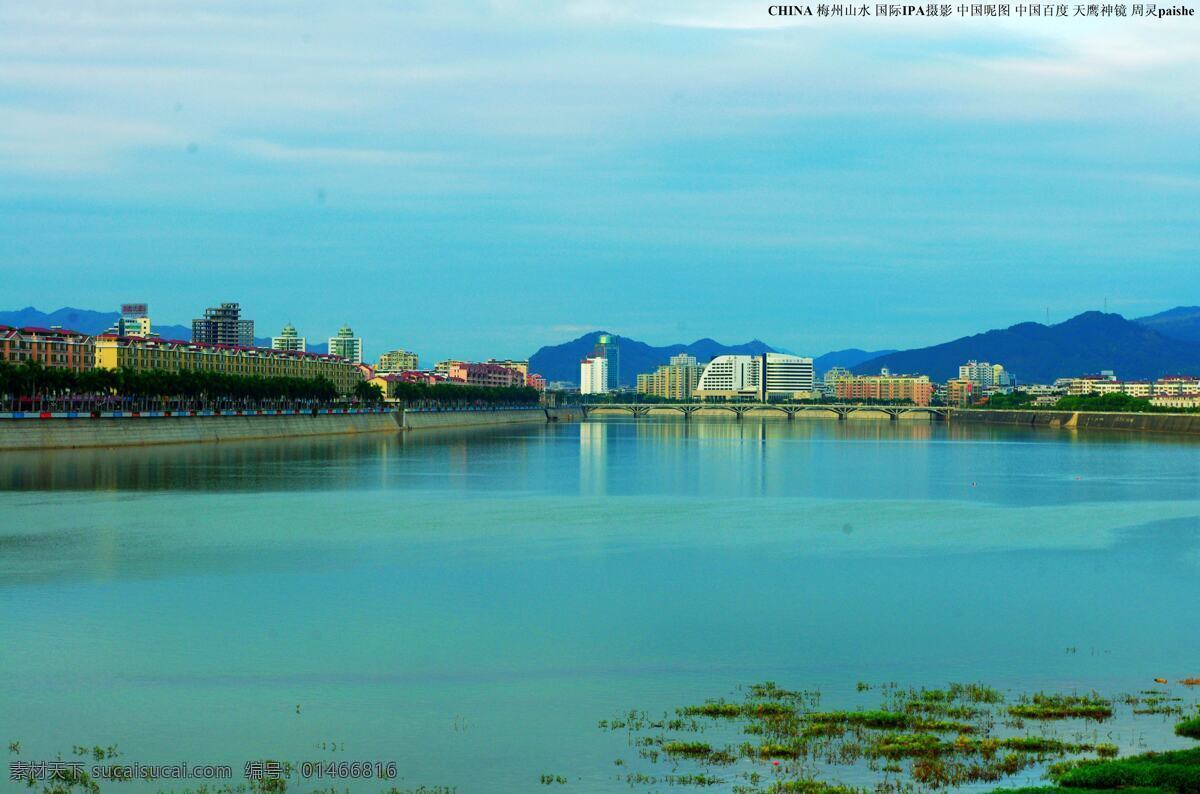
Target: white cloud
x: 67, y: 143
x: 269, y: 150
x: 382, y: 85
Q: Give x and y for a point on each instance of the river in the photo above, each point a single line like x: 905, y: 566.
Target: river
x: 469, y: 604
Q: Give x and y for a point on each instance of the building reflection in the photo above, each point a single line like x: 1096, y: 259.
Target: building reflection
x: 593, y: 458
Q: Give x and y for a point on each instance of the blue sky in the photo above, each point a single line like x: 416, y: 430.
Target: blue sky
x: 478, y: 179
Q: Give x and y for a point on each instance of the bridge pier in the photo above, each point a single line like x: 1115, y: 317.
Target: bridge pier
x: 841, y: 410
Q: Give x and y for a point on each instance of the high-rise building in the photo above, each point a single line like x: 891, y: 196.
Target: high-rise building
x: 593, y: 375
x: 675, y: 380
x: 223, y: 325
x: 288, y: 339
x: 608, y: 349
x: 397, y: 361
x: 984, y: 374
x: 787, y: 376
x: 763, y: 377
x: 346, y: 345
x: 134, y: 320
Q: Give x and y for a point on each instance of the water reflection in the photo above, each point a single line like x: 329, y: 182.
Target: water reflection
x: 615, y: 456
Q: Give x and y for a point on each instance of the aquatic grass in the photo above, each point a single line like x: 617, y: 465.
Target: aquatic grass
x: 717, y: 708
x: 867, y: 719
x: 699, y: 780
x: 943, y: 710
x: 699, y: 751
x: 1042, y: 706
x: 907, y: 745
x: 1043, y: 746
x: 769, y: 690
x: 1154, y: 702
x: 976, y: 693
x: 811, y: 787
x: 941, y: 726
x: 793, y: 749
x: 1057, y: 790
x: 721, y: 709
x: 1189, y: 728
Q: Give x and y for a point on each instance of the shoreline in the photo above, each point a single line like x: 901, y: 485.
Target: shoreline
x: 1177, y: 424
x: 34, y: 431
x: 50, y: 430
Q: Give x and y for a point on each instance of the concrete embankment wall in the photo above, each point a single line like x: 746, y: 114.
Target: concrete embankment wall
x: 87, y: 432
x: 1084, y: 420
x: 419, y: 420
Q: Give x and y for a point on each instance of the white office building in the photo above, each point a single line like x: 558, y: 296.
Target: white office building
x: 288, y: 339
x: 593, y: 375
x: 985, y: 374
x: 346, y: 345
x: 762, y: 377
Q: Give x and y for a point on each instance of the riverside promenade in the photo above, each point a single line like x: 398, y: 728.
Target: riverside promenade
x: 125, y: 428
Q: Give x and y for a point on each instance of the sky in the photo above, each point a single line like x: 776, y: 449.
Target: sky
x: 477, y: 179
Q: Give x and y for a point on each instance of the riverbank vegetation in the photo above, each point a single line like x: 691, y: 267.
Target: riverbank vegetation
x: 418, y: 394
x: 34, y: 380
x: 1120, y: 403
x: 52, y: 388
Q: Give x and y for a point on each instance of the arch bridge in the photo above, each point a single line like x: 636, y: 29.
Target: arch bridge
x: 893, y: 412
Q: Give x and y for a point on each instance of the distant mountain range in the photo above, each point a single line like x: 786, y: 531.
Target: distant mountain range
x: 83, y: 320
x: 848, y: 358
x: 1164, y: 343
x: 561, y: 362
x: 1038, y: 353
x: 1182, y: 322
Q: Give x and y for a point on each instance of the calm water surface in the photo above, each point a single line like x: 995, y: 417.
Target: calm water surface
x: 470, y: 604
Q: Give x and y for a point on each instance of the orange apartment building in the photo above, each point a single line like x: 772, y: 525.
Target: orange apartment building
x: 52, y: 347
x: 485, y: 374
x: 915, y: 388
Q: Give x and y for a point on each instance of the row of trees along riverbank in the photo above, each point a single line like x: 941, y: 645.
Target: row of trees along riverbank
x: 31, y: 386
x: 434, y: 395
x: 1122, y: 403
